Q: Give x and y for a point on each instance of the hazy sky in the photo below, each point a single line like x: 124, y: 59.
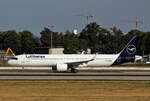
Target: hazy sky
x: 34, y: 15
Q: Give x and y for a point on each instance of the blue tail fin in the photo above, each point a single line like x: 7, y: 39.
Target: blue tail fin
x: 128, y: 53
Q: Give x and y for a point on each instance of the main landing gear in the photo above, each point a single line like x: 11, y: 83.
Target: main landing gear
x: 73, y: 70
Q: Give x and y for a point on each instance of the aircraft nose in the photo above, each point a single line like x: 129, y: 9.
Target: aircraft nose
x: 11, y: 62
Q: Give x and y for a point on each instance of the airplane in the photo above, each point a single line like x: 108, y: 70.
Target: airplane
x: 69, y: 62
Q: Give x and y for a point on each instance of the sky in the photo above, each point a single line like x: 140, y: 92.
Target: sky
x: 34, y: 15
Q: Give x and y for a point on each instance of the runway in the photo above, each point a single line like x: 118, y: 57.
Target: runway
x: 82, y: 75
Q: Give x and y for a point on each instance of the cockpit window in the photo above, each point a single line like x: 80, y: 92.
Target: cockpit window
x: 14, y: 58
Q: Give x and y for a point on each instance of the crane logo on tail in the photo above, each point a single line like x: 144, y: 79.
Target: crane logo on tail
x: 131, y: 49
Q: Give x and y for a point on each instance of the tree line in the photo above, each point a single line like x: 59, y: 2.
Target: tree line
x: 21, y: 42
x: 93, y: 36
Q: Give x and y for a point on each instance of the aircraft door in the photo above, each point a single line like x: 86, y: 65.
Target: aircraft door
x: 23, y: 59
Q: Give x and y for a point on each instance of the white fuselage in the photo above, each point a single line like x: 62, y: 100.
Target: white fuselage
x: 53, y: 60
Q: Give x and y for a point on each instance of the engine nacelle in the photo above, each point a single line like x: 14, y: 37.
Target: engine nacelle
x: 60, y: 67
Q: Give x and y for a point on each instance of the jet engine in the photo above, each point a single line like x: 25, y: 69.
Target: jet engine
x: 60, y: 67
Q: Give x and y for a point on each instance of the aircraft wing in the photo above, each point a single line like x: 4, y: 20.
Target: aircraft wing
x: 77, y: 63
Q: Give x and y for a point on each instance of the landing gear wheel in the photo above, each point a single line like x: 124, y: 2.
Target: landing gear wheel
x: 22, y: 68
x: 74, y: 70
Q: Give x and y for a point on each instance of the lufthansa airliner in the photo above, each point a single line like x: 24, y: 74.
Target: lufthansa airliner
x: 69, y: 62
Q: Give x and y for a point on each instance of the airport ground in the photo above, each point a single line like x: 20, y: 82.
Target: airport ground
x: 41, y: 84
x: 74, y: 91
x: 83, y: 74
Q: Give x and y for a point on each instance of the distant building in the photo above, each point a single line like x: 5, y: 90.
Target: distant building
x: 56, y: 51
x: 47, y: 50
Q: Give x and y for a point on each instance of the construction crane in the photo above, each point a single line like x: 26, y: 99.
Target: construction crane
x: 137, y: 22
x: 86, y: 16
x: 9, y: 49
